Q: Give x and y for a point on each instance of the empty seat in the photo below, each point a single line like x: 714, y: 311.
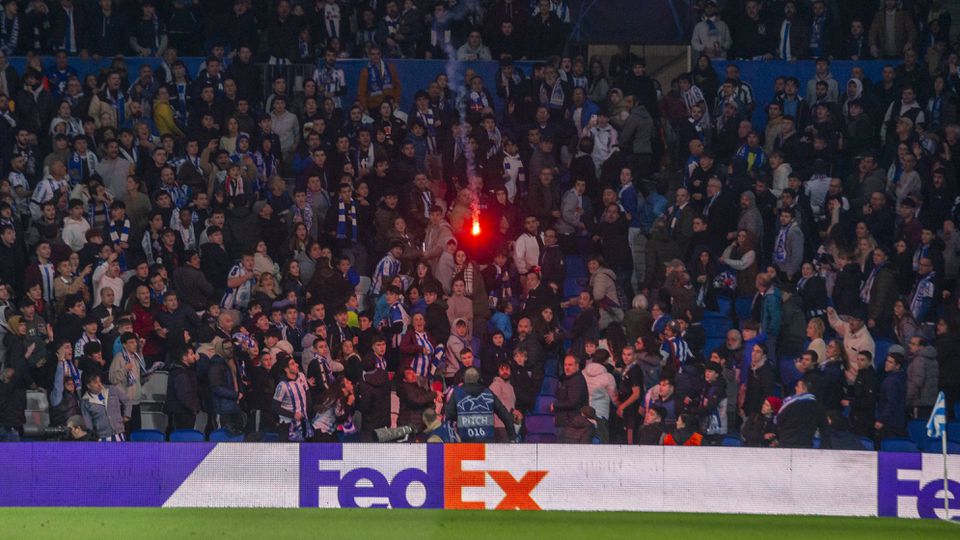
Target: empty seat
x: 542, y: 405
x: 186, y: 435
x: 935, y: 446
x: 540, y: 423
x: 541, y: 438
x: 880, y: 357
x: 953, y: 431
x: 147, y: 435
x: 271, y: 436
x: 898, y: 445
x: 155, y: 386
x: 549, y: 386
x: 867, y: 443
x: 224, y: 435
x: 731, y: 440
x: 742, y: 305
x: 917, y: 429
x: 153, y: 420
x: 716, y: 326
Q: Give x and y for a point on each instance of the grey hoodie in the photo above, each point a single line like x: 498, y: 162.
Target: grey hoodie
x: 922, y: 378
x: 601, y: 388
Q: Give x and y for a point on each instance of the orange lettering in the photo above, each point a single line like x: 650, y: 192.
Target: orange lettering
x: 517, y: 493
x: 455, y: 478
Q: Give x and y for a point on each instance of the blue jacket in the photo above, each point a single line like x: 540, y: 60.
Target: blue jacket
x: 654, y: 206
x: 892, y: 406
x: 631, y: 205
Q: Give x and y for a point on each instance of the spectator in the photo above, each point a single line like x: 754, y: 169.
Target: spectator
x: 711, y: 35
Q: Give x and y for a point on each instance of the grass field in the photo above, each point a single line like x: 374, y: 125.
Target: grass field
x: 272, y: 524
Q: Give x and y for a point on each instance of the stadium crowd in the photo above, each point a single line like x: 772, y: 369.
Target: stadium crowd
x: 629, y: 263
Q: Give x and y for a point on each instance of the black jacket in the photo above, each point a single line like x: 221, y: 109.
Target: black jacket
x: 798, y: 422
x: 215, y: 264
x: 571, y: 397
x: 183, y: 390
x: 373, y: 400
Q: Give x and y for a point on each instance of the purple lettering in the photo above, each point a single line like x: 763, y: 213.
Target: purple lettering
x: 928, y: 502
x: 889, y: 486
x: 350, y: 489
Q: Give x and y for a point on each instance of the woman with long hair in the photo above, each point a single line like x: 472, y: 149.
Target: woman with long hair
x: 741, y: 256
x: 904, y: 325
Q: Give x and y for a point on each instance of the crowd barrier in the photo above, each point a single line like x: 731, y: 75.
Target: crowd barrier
x: 761, y: 75
x: 478, y: 476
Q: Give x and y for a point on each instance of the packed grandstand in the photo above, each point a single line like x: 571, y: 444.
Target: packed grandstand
x: 419, y: 220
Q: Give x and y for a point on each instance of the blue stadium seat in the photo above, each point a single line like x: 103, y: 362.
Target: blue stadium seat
x: 882, y: 346
x: 867, y: 443
x: 956, y: 410
x: 549, y: 386
x: 742, y: 305
x: 724, y: 304
x: 542, y: 405
x: 789, y: 375
x: 540, y: 424
x: 710, y: 345
x: 816, y: 442
x: 271, y: 436
x: 147, y: 435
x: 576, y: 266
x: 571, y: 287
x: 186, y: 435
x: 917, y: 429
x: 935, y: 446
x: 731, y: 440
x: 551, y: 366
x: 541, y: 438
x: 224, y: 435
x: 716, y: 326
x: 898, y: 445
x: 595, y: 440
x: 953, y: 431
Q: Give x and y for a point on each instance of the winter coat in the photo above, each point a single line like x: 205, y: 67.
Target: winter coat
x: 183, y: 390
x: 223, y: 393
x: 601, y: 388
x: 892, y: 405
x: 922, y: 378
x: 571, y: 397
x: 373, y: 400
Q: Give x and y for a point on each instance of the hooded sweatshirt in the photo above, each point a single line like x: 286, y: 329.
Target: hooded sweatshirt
x: 601, y: 388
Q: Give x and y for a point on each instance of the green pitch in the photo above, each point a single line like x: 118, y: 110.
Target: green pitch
x: 271, y: 524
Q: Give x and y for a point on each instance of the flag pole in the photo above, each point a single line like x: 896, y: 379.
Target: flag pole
x: 946, y: 490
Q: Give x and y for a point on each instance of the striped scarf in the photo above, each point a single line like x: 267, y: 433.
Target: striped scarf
x: 398, y: 314
x: 127, y: 360
x: 867, y: 287
x: 98, y: 214
x: 780, y: 249
x: 342, y: 214
x: 425, y: 363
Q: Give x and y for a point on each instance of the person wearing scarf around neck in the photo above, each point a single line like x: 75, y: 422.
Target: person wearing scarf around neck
x: 377, y: 81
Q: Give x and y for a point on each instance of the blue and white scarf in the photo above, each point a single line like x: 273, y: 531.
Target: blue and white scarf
x: 867, y: 287
x: 425, y: 363
x: 780, y: 250
x: 794, y: 399
x: 380, y: 78
x: 344, y: 213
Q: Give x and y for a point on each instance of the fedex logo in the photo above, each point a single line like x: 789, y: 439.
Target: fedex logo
x: 438, y: 485
x: 900, y: 476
